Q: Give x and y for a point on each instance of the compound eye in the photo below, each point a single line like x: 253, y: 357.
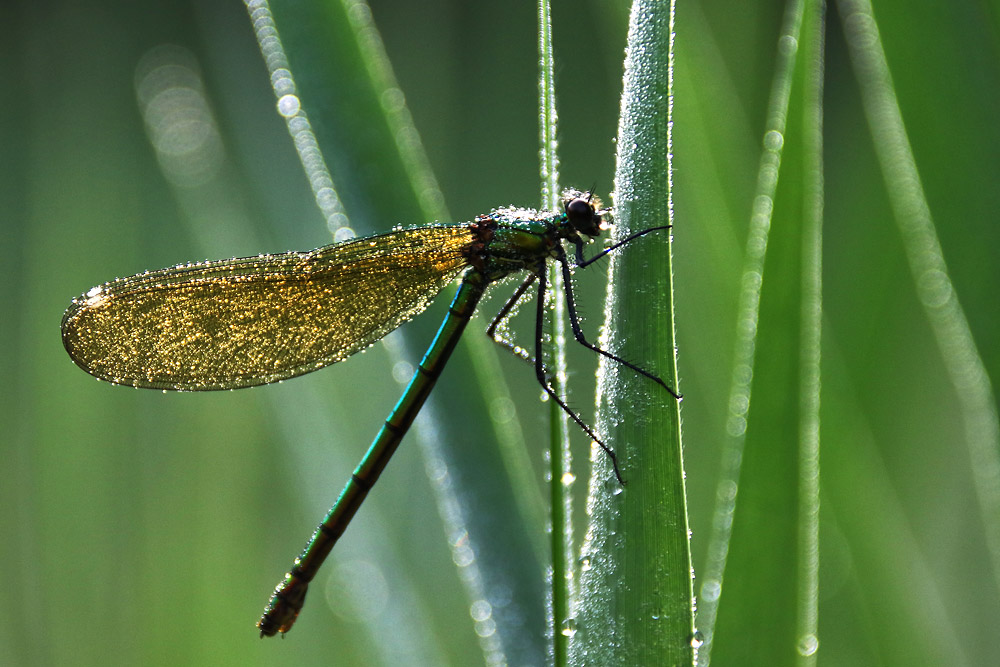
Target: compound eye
x: 582, y: 216
x: 578, y: 208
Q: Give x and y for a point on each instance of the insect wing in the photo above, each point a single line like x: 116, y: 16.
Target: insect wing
x: 244, y: 322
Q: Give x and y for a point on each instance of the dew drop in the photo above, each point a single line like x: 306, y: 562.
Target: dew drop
x: 808, y: 645
x: 289, y: 105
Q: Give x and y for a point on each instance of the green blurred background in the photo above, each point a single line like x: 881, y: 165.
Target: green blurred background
x: 147, y: 528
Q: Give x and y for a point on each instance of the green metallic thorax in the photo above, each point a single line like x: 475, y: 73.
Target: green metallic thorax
x: 512, y: 240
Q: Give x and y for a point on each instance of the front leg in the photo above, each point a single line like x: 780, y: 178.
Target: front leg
x: 578, y: 330
x: 581, y: 262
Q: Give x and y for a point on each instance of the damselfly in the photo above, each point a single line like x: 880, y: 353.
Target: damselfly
x: 244, y: 322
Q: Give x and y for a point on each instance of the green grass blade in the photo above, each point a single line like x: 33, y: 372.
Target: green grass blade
x: 636, y: 591
x: 963, y: 361
x: 562, y: 576
x: 868, y: 522
x: 810, y: 76
x: 919, y: 560
x: 758, y: 513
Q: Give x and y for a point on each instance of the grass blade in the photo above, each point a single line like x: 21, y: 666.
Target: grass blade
x: 636, y: 590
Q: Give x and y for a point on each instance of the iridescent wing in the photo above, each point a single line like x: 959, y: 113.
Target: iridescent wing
x: 243, y: 322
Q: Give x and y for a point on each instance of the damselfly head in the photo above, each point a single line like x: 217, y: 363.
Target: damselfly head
x: 581, y: 212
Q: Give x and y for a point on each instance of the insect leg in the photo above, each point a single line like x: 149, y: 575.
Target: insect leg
x: 541, y: 375
x: 578, y: 330
x: 502, y: 316
x: 581, y: 262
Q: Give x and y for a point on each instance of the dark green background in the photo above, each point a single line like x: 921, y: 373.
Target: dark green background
x: 142, y: 528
